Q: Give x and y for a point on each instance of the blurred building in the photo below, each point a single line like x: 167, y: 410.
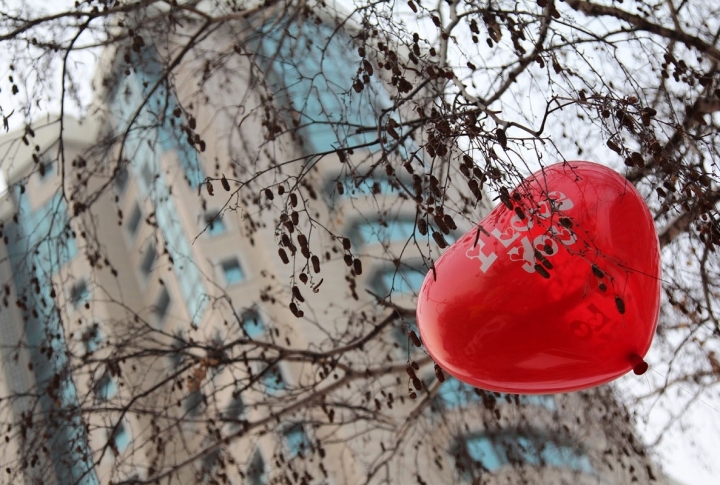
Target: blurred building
x: 159, y: 263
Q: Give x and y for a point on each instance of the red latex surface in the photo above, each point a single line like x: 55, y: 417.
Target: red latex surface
x: 492, y: 320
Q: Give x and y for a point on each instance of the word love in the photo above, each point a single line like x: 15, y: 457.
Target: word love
x: 561, y: 290
x: 541, y: 247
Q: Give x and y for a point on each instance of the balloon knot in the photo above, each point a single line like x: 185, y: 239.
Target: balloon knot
x: 640, y: 368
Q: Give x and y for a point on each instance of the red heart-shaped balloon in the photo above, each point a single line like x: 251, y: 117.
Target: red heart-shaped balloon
x: 557, y: 289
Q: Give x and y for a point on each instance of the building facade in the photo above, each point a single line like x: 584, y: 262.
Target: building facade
x: 214, y: 281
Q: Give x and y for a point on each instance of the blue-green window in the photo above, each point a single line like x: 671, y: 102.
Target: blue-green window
x: 236, y: 408
x: 121, y: 180
x: 121, y: 437
x: 295, y: 440
x: 252, y: 324
x: 194, y: 402
x: 148, y: 260
x: 214, y: 223
x: 232, y: 271
x: 133, y: 222
x: 55, y: 244
x: 495, y: 451
x: 400, y: 333
x: 162, y: 304
x: 313, y: 68
x: 403, y: 280
x: 46, y: 169
x: 273, y: 381
x: 362, y: 186
x: 106, y: 387
x: 255, y: 473
x: 456, y: 394
x: 383, y: 231
x: 79, y: 293
x: 179, y: 344
x: 92, y: 338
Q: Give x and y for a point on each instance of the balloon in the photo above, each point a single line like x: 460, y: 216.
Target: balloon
x: 557, y: 289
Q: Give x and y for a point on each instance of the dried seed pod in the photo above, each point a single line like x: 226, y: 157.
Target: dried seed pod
x: 620, y: 304
x: 269, y: 194
x: 302, y: 240
x: 304, y: 278
x: 281, y: 189
x: 450, y: 222
x: 348, y: 259
x: 566, y: 222
x: 417, y: 384
x: 542, y: 271
x: 422, y: 226
x: 346, y: 244
x: 225, y: 183
x: 208, y: 186
x: 315, y: 261
x: 305, y: 251
x: 293, y: 199
x: 283, y: 256
x: 357, y: 267
x: 294, y: 309
x: 296, y: 293
x: 439, y: 239
x: 414, y: 338
x: 597, y: 272
x: 439, y: 373
x: 295, y: 217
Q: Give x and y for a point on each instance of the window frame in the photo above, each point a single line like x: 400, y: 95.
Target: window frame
x: 211, y: 220
x: 230, y: 259
x: 163, y: 296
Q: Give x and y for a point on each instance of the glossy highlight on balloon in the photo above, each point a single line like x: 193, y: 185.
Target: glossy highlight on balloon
x: 556, y: 290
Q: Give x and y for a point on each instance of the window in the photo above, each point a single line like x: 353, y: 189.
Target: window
x: 161, y: 305
x: 295, y: 440
x: 232, y: 271
x: 309, y: 71
x: 79, y: 293
x: 179, y: 344
x: 255, y: 474
x: 496, y: 451
x: 236, y: 408
x: 146, y: 265
x: 121, y: 180
x: 106, y: 387
x: 272, y: 381
x: 400, y: 333
x: 208, y: 465
x: 252, y: 324
x: 120, y: 438
x: 133, y: 222
x: 214, y: 223
x: 194, y: 402
x: 456, y: 394
x: 368, y: 232
x: 403, y: 280
x: 46, y: 168
x: 92, y: 338
x: 370, y: 184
